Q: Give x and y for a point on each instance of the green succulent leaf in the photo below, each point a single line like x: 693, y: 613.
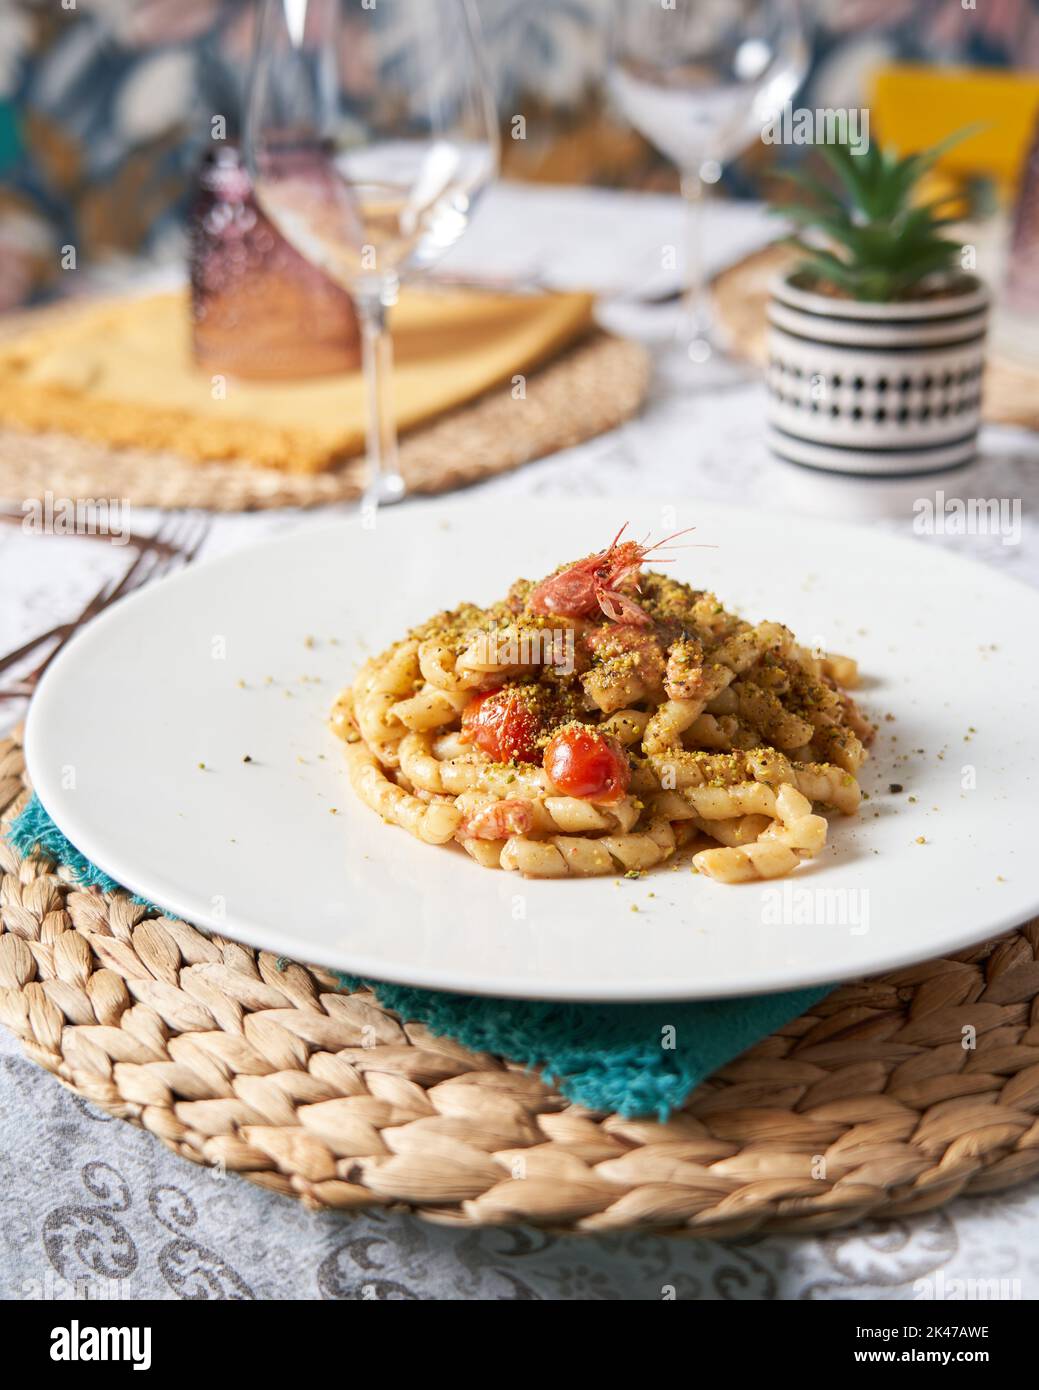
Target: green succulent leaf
x: 874, y: 239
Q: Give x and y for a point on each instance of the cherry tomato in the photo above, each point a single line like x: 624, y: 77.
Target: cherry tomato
x: 593, y: 766
x: 504, y: 724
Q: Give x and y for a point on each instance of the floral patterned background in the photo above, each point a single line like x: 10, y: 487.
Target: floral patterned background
x: 103, y: 103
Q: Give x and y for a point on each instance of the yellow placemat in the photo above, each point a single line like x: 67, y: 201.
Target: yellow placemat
x: 122, y: 374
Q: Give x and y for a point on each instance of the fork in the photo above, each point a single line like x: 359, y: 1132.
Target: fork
x: 133, y: 538
x: 103, y: 595
x: 176, y: 541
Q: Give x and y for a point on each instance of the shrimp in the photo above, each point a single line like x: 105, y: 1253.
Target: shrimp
x: 498, y: 821
x: 604, y: 580
x: 685, y: 679
x: 632, y: 641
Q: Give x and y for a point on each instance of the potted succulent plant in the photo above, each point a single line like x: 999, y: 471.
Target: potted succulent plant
x: 877, y: 337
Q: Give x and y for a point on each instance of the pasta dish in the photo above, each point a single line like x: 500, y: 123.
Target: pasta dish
x: 598, y: 720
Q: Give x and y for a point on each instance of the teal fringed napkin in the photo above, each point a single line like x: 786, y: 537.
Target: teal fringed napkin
x: 637, y: 1059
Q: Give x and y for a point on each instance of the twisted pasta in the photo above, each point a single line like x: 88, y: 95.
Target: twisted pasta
x: 670, y: 719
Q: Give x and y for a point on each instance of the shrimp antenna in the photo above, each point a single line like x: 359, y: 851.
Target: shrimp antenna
x: 657, y: 545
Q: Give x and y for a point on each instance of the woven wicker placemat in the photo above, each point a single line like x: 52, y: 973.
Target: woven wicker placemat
x: 741, y: 292
x: 592, y: 387
x: 870, y: 1105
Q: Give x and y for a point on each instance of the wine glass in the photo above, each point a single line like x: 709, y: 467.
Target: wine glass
x: 701, y: 79
x: 370, y: 132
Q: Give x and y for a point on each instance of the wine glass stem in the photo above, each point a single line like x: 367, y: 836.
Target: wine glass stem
x: 385, y: 483
x: 697, y: 303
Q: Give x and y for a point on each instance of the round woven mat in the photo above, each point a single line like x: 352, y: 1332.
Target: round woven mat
x: 741, y: 293
x: 868, y: 1106
x: 589, y: 389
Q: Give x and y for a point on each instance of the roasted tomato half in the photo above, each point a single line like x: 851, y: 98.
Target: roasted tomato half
x: 593, y: 766
x: 504, y: 723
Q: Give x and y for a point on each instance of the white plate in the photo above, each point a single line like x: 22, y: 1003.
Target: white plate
x: 151, y: 689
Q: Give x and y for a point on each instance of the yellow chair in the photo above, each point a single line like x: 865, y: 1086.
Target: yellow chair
x: 912, y: 108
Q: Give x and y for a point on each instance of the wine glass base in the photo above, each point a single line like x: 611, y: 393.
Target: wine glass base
x: 384, y: 491
x: 700, y: 364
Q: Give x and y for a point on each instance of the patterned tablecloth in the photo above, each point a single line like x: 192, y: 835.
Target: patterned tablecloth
x: 88, y: 1201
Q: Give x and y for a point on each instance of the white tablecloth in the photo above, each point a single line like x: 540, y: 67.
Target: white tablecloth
x: 84, y: 1197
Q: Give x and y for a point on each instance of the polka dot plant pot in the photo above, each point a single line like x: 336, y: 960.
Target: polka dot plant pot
x: 877, y: 389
